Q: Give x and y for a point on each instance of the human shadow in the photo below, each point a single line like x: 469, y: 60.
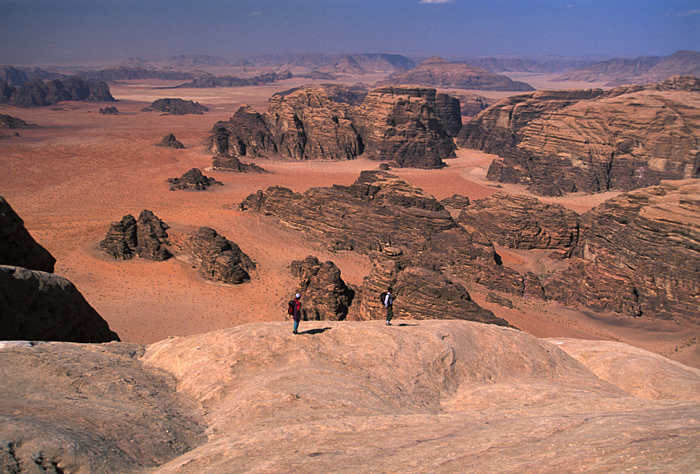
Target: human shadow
x: 406, y: 324
x: 315, y: 331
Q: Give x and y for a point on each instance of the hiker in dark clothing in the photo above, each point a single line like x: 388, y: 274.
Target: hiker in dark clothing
x: 296, y: 313
x: 388, y: 304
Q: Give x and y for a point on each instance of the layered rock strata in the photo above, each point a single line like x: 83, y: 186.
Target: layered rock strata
x: 411, y: 126
x: 193, y: 179
x: 17, y: 246
x: 40, y: 306
x: 592, y: 140
x: 521, y: 222
x: 217, y: 258
x: 637, y: 254
x: 147, y: 238
x: 324, y: 294
x: 437, y: 72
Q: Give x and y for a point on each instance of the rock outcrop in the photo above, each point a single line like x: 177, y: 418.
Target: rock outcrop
x: 233, y: 164
x: 7, y: 121
x: 409, y: 126
x: 217, y: 258
x: 592, y: 140
x: 17, y: 246
x: 324, y: 294
x: 176, y: 107
x: 209, y: 81
x: 147, y: 238
x: 108, y: 111
x: 40, y: 93
x: 638, y: 254
x: 520, y: 222
x: 412, y: 126
x: 193, y: 179
x: 40, y: 306
x: 437, y: 72
x: 171, y: 142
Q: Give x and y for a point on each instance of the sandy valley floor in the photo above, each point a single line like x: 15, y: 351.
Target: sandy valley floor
x: 80, y: 171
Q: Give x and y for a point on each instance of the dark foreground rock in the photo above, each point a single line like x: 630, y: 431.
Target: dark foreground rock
x: 147, y: 238
x: 218, y: 258
x: 176, y: 107
x: 193, y: 179
x: 559, y: 142
x: 324, y: 294
x: 432, y: 396
x: 40, y: 306
x: 17, y: 246
x: 171, y: 142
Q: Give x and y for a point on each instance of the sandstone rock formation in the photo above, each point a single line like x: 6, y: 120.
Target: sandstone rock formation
x: 146, y: 238
x: 437, y: 72
x: 170, y: 141
x: 7, y: 121
x: 217, y: 258
x: 637, y: 254
x: 40, y: 306
x: 193, y: 179
x: 412, y: 126
x: 436, y: 396
x: 208, y: 81
x: 17, y: 246
x: 456, y: 201
x: 520, y: 222
x: 233, y: 164
x: 324, y: 294
x: 176, y: 107
x: 472, y: 105
x: 109, y: 111
x: 592, y: 140
x: 40, y: 93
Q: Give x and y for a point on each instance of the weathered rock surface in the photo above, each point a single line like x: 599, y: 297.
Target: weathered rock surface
x: 17, y: 246
x: 86, y: 408
x: 472, y: 105
x: 176, y: 107
x: 170, y: 141
x: 7, y: 121
x: 456, y: 201
x: 233, y: 164
x: 592, y: 140
x: 193, y: 179
x: 434, y: 396
x: 638, y: 253
x: 217, y: 258
x: 324, y: 294
x: 40, y: 306
x: 437, y: 72
x: 411, y: 126
x: 40, y: 93
x: 109, y: 111
x: 146, y: 238
x: 521, y: 222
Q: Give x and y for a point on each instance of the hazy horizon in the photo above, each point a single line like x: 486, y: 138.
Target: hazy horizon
x: 89, y: 31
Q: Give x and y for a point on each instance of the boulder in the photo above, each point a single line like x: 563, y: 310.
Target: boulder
x: 638, y: 254
x: 217, y: 258
x: 437, y: 72
x: 146, y: 238
x: 170, y: 141
x: 193, y: 179
x: 109, y: 111
x: 17, y: 246
x: 40, y: 306
x: 233, y: 164
x: 324, y: 294
x: 176, y: 107
x: 625, y: 138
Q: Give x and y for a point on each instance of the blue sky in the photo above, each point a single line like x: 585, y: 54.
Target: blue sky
x: 82, y: 31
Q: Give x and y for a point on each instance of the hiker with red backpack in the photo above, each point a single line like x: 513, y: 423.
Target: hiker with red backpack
x: 295, y: 312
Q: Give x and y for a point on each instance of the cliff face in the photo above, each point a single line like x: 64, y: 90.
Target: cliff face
x: 40, y: 93
x: 638, y: 253
x: 592, y: 140
x: 410, y: 126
